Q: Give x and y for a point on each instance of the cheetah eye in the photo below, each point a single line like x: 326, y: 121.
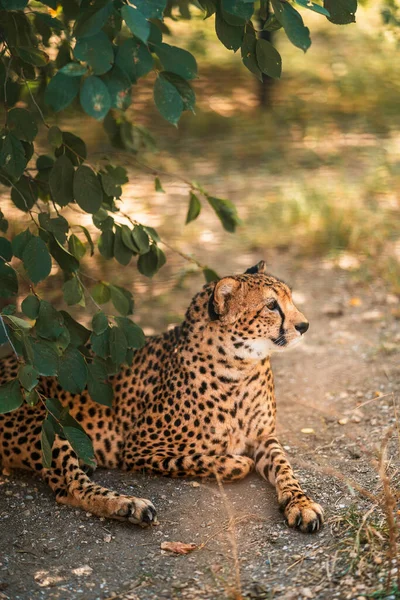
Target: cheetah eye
x: 272, y: 304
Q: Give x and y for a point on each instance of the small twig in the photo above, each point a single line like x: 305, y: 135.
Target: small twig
x: 8, y: 337
x: 88, y: 293
x: 5, y: 83
x: 34, y: 101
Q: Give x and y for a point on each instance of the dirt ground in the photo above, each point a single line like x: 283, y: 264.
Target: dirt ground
x: 336, y: 395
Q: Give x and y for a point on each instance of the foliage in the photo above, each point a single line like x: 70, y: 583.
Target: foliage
x: 93, y: 53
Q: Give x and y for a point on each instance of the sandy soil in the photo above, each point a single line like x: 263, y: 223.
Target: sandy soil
x: 336, y: 395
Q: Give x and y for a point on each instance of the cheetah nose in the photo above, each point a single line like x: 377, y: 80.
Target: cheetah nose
x: 302, y: 327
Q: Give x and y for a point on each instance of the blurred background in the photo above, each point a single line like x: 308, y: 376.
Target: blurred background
x: 312, y: 162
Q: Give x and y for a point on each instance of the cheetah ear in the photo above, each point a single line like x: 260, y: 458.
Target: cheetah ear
x: 224, y: 292
x: 260, y: 267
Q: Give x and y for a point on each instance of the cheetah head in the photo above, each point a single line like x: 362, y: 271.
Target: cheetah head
x: 254, y: 315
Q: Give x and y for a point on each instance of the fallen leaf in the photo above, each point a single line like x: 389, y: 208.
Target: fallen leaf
x: 355, y: 301
x: 178, y: 547
x: 307, y: 430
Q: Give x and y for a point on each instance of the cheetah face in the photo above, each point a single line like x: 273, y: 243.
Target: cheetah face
x: 255, y: 314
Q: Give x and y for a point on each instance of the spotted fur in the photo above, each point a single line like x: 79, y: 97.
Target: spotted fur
x: 196, y: 401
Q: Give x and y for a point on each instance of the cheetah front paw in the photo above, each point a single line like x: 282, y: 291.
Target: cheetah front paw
x: 135, y: 510
x: 301, y: 512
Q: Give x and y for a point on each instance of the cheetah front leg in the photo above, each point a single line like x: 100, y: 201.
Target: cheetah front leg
x: 299, y: 510
x: 73, y: 487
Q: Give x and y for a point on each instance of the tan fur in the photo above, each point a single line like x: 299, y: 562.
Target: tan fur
x: 196, y: 401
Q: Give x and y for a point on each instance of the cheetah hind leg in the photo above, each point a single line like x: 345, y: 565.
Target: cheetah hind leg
x: 73, y: 487
x: 227, y: 467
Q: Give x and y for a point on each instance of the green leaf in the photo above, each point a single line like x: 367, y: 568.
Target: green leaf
x: 18, y: 323
x: 134, y: 59
x: 136, y: 22
x: 99, y: 388
x: 9, y: 309
x: 3, y: 223
x: 79, y: 335
x: 119, y: 88
x: 210, y: 275
x: 101, y: 293
x: 30, y: 306
x: 81, y: 444
x: 73, y: 291
x: 54, y: 136
x: 12, y: 155
x: 28, y: 377
x: 45, y: 357
x: 148, y: 263
x: 118, y: 345
x: 101, y: 343
x: 243, y: 10
x: 73, y: 69
x: 134, y: 334
x: 8, y: 282
x: 22, y: 124
x: 341, y: 12
x: 47, y: 441
x: 99, y: 322
x: 6, y: 252
x: 50, y: 323
x: 112, y: 179
x: 292, y: 23
x: 58, y: 226
x: 272, y: 23
x: 89, y: 239
x: 73, y: 147
x: 268, y: 58
x: 61, y: 181
x: 122, y: 300
x: 126, y: 236
x: 87, y: 189
x: 314, y: 7
x: 194, y: 208
x: 122, y: 253
x: 65, y: 259
x: 184, y: 89
x: 36, y: 259
x: 248, y: 51
x: 208, y: 6
x: 151, y: 9
x: 140, y: 239
x: 10, y: 396
x: 33, y: 56
x: 168, y: 100
x: 231, y: 36
x: 226, y: 212
x: 72, y: 374
x: 157, y: 186
x: 97, y: 51
x: 94, y: 97
x: 176, y: 60
x: 14, y: 4
x: 76, y: 247
x: 24, y: 193
x: 44, y: 163
x: 61, y: 91
x: 152, y: 233
x: 106, y: 244
x: 92, y: 17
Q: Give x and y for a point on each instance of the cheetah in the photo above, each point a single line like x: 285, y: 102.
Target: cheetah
x: 197, y: 401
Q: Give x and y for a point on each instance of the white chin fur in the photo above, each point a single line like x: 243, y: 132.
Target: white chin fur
x: 259, y: 349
